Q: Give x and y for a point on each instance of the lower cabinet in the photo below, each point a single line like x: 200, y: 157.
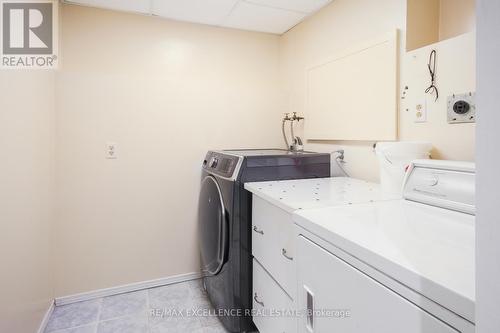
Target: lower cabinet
x: 273, y: 308
x: 336, y: 297
x: 273, y: 243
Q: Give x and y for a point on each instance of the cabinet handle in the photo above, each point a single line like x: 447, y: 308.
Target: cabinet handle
x: 283, y: 252
x: 310, y: 310
x: 257, y: 301
x: 257, y: 230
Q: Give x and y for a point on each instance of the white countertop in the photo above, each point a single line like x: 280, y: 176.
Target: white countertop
x: 299, y: 194
x: 429, y: 249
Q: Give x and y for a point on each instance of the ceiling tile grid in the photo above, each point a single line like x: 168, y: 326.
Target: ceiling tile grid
x: 248, y: 16
x: 271, y: 16
x: 138, y: 6
x: 211, y: 12
x: 302, y: 6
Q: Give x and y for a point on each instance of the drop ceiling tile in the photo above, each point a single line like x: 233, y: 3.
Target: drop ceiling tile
x: 198, y: 11
x: 140, y: 6
x: 304, y: 6
x: 248, y: 16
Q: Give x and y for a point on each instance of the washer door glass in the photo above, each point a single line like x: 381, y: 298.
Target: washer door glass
x: 213, y: 227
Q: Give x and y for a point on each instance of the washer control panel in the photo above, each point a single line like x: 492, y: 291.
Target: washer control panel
x: 223, y: 165
x: 446, y: 184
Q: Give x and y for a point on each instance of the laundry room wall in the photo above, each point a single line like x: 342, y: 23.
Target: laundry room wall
x: 456, y: 17
x: 455, y: 74
x: 344, y: 23
x: 26, y: 197
x: 164, y: 92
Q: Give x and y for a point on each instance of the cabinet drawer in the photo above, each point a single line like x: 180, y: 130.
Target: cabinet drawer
x: 268, y: 300
x: 273, y: 243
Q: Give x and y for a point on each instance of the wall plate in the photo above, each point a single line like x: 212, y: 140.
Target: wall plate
x: 462, y: 108
x: 111, y: 151
x: 420, y: 111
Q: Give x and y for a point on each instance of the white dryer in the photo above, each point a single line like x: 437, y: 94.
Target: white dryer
x: 392, y: 266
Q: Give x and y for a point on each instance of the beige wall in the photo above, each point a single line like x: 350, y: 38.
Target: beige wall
x: 349, y: 22
x: 165, y: 92
x: 450, y: 141
x: 456, y: 17
x: 430, y: 21
x: 332, y: 30
x: 422, y: 23
x: 26, y: 197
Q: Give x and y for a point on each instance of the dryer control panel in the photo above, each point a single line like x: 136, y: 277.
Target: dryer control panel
x: 445, y: 184
x: 223, y: 165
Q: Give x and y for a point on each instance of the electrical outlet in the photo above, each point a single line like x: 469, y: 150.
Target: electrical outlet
x: 420, y: 111
x: 111, y: 150
x: 462, y: 108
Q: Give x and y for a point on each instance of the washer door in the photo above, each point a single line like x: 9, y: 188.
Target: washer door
x: 213, y: 227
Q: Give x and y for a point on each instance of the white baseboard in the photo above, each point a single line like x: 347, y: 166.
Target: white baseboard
x: 126, y: 288
x: 45, y: 319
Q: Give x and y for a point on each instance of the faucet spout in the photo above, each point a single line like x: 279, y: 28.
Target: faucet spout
x: 296, y: 144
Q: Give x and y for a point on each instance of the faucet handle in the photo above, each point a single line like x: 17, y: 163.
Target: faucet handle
x: 295, y: 117
x: 340, y: 155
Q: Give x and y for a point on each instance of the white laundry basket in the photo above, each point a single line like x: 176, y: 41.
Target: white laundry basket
x: 394, y: 158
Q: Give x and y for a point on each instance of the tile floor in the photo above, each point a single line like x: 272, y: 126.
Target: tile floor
x: 138, y: 312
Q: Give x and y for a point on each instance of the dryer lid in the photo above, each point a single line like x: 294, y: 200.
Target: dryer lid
x: 429, y: 249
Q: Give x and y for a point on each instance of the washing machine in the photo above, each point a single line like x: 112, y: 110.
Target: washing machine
x: 224, y: 218
x: 405, y: 265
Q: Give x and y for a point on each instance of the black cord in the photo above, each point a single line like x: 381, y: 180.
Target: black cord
x: 432, y: 70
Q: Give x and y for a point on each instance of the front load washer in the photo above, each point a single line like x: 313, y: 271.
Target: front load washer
x: 224, y: 218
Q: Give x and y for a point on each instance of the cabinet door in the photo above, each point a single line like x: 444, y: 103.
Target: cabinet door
x: 343, y: 299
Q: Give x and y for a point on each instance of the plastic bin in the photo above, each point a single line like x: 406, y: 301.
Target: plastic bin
x: 394, y: 158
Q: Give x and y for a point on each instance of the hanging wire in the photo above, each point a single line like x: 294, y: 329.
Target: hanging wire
x: 432, y: 70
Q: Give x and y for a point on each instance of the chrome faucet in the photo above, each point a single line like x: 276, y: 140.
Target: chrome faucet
x: 297, y: 144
